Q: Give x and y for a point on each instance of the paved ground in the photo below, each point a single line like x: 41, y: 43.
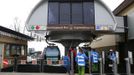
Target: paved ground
x: 13, y: 73
x: 31, y: 74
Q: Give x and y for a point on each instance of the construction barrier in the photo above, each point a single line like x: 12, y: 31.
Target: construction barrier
x: 23, y: 62
x: 49, y: 62
x: 34, y: 61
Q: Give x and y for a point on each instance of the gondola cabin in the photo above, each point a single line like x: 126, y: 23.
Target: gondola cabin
x: 51, y: 54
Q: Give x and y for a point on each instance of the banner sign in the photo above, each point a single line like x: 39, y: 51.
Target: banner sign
x: 103, y: 27
x: 64, y: 27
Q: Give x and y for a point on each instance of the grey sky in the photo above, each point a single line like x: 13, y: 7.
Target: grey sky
x: 9, y: 9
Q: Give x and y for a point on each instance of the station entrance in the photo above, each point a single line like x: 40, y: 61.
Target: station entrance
x: 72, y: 23
x: 98, y: 62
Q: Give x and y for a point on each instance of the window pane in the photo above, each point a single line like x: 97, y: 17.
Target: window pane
x: 25, y: 50
x: 64, y: 13
x: 52, y: 52
x: 77, y: 13
x: 53, y: 13
x: 22, y: 50
x: 7, y: 50
x: 18, y: 50
x: 89, y: 13
x: 13, y: 49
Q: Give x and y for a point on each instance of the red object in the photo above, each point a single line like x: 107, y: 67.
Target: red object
x: 34, y: 61
x: 37, y: 27
x: 49, y: 62
x: 5, y: 63
x: 72, y: 50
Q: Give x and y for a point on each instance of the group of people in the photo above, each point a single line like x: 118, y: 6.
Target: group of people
x: 85, y: 57
x: 81, y: 59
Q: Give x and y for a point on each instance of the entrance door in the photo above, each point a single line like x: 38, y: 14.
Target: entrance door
x: 1, y: 54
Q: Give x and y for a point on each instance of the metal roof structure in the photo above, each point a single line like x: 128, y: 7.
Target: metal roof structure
x: 8, y: 32
x: 122, y: 6
x: 39, y: 17
x: 75, y: 21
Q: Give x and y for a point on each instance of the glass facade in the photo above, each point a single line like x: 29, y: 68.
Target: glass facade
x: 10, y: 50
x: 71, y: 13
x: 53, y: 13
x: 13, y: 50
x: 65, y: 13
x: 88, y: 13
x: 7, y: 51
x: 77, y: 13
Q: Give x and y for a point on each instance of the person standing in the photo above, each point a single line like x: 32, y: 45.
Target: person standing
x: 67, y: 63
x: 112, y: 58
x: 95, y: 60
x: 81, y: 61
x: 112, y: 55
x: 72, y: 55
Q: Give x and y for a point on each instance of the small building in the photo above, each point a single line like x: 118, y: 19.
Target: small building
x: 122, y: 42
x: 127, y: 9
x: 11, y: 43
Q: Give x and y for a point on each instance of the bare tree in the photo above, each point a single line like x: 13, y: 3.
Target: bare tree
x: 16, y: 24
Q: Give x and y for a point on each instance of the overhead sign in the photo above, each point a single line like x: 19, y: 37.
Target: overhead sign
x: 64, y: 27
x: 37, y: 27
x: 103, y: 27
x: 71, y: 27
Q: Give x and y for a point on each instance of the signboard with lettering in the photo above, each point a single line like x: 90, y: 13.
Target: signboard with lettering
x: 103, y: 27
x: 72, y: 27
x: 63, y: 27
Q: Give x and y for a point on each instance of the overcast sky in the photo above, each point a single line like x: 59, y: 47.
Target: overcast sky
x: 10, y: 9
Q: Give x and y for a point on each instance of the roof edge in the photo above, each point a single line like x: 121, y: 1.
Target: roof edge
x: 4, y: 29
x: 122, y: 6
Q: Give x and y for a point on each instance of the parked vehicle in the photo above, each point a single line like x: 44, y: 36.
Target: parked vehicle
x: 34, y: 56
